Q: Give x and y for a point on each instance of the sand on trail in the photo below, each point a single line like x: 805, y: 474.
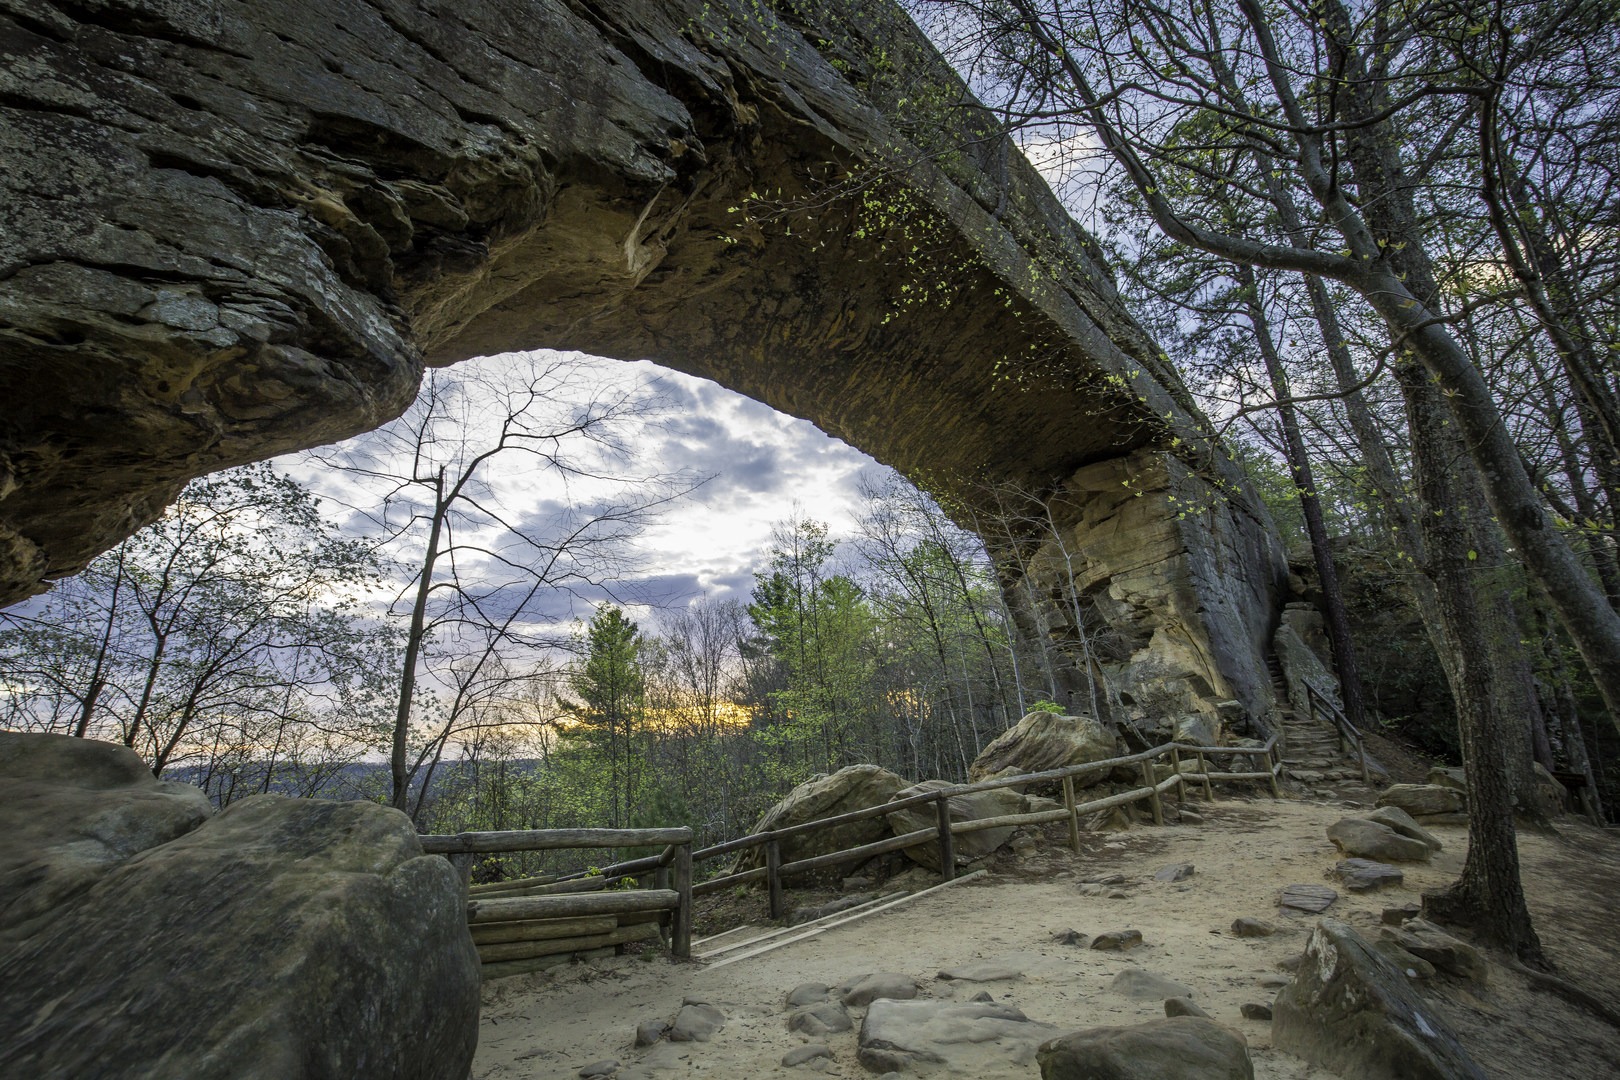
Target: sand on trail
x: 552, y: 1024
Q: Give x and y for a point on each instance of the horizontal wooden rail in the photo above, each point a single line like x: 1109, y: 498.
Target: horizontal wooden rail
x: 551, y: 840
x: 516, y: 908
x: 865, y: 851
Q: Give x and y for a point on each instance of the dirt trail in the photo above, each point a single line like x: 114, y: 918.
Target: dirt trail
x: 550, y: 1025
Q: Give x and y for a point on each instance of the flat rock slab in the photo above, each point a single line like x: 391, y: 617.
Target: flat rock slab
x: 1311, y: 899
x: 864, y: 989
x: 1176, y: 1048
x: 822, y: 1018
x: 1146, y: 986
x: 950, y: 1038
x: 1349, y: 1010
x: 597, y: 1069
x: 696, y: 1023
x: 986, y: 971
x: 1175, y: 872
x: 1365, y: 875
x: 1117, y: 939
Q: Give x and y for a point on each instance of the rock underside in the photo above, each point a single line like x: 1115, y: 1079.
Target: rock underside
x: 237, y: 230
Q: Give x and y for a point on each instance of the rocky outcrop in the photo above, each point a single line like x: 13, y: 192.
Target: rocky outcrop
x: 855, y: 787
x: 968, y: 847
x: 232, y: 231
x: 1350, y: 1011
x: 142, y: 937
x: 1042, y: 741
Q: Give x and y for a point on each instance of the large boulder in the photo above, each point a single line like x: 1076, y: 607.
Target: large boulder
x: 974, y: 806
x: 1366, y: 839
x: 1176, y: 1048
x: 855, y: 787
x: 74, y: 809
x: 1042, y: 741
x: 1427, y: 802
x: 1349, y: 1010
x: 281, y: 937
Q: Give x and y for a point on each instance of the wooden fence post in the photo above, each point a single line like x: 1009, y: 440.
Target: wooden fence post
x: 1074, y: 818
x: 1203, y: 771
x: 1175, y: 768
x: 681, y: 943
x: 1271, y: 770
x: 1152, y: 780
x: 773, y: 877
x: 463, y: 862
x: 947, y: 841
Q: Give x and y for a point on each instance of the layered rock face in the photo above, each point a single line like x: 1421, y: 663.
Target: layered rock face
x: 235, y: 230
x: 141, y: 935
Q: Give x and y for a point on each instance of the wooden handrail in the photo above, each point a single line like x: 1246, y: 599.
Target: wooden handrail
x: 531, y: 903
x: 550, y: 840
x: 1322, y: 705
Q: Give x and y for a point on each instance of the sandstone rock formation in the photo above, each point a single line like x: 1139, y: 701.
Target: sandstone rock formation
x: 855, y: 787
x: 140, y: 936
x: 232, y: 231
x: 968, y: 847
x: 1042, y: 741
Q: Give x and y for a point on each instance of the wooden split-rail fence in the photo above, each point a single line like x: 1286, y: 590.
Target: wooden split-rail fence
x: 527, y: 924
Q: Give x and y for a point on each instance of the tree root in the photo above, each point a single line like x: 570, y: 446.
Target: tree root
x: 1566, y: 990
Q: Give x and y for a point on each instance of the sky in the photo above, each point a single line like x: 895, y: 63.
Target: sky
x: 748, y: 467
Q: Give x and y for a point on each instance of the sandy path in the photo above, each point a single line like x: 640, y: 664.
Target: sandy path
x: 550, y: 1025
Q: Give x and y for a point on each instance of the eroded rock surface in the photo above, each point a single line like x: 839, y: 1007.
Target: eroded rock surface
x: 967, y: 847
x: 1350, y: 1011
x: 236, y: 230
x: 855, y: 787
x: 1042, y: 741
x: 281, y: 937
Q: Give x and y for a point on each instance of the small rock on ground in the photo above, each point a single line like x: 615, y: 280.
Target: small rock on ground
x: 986, y: 971
x: 1175, y: 872
x: 696, y: 1022
x: 1117, y: 939
x: 807, y: 994
x: 1312, y: 899
x: 808, y: 1052
x: 1245, y: 926
x: 1180, y: 1006
x: 1365, y: 875
x: 822, y: 1018
x: 1146, y: 986
x: 1253, y: 1010
x: 864, y: 989
x: 599, y: 1068
x: 650, y: 1031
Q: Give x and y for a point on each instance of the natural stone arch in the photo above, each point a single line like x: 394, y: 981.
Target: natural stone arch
x: 237, y: 232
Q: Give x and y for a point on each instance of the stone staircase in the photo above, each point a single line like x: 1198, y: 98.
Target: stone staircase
x: 1311, y: 753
